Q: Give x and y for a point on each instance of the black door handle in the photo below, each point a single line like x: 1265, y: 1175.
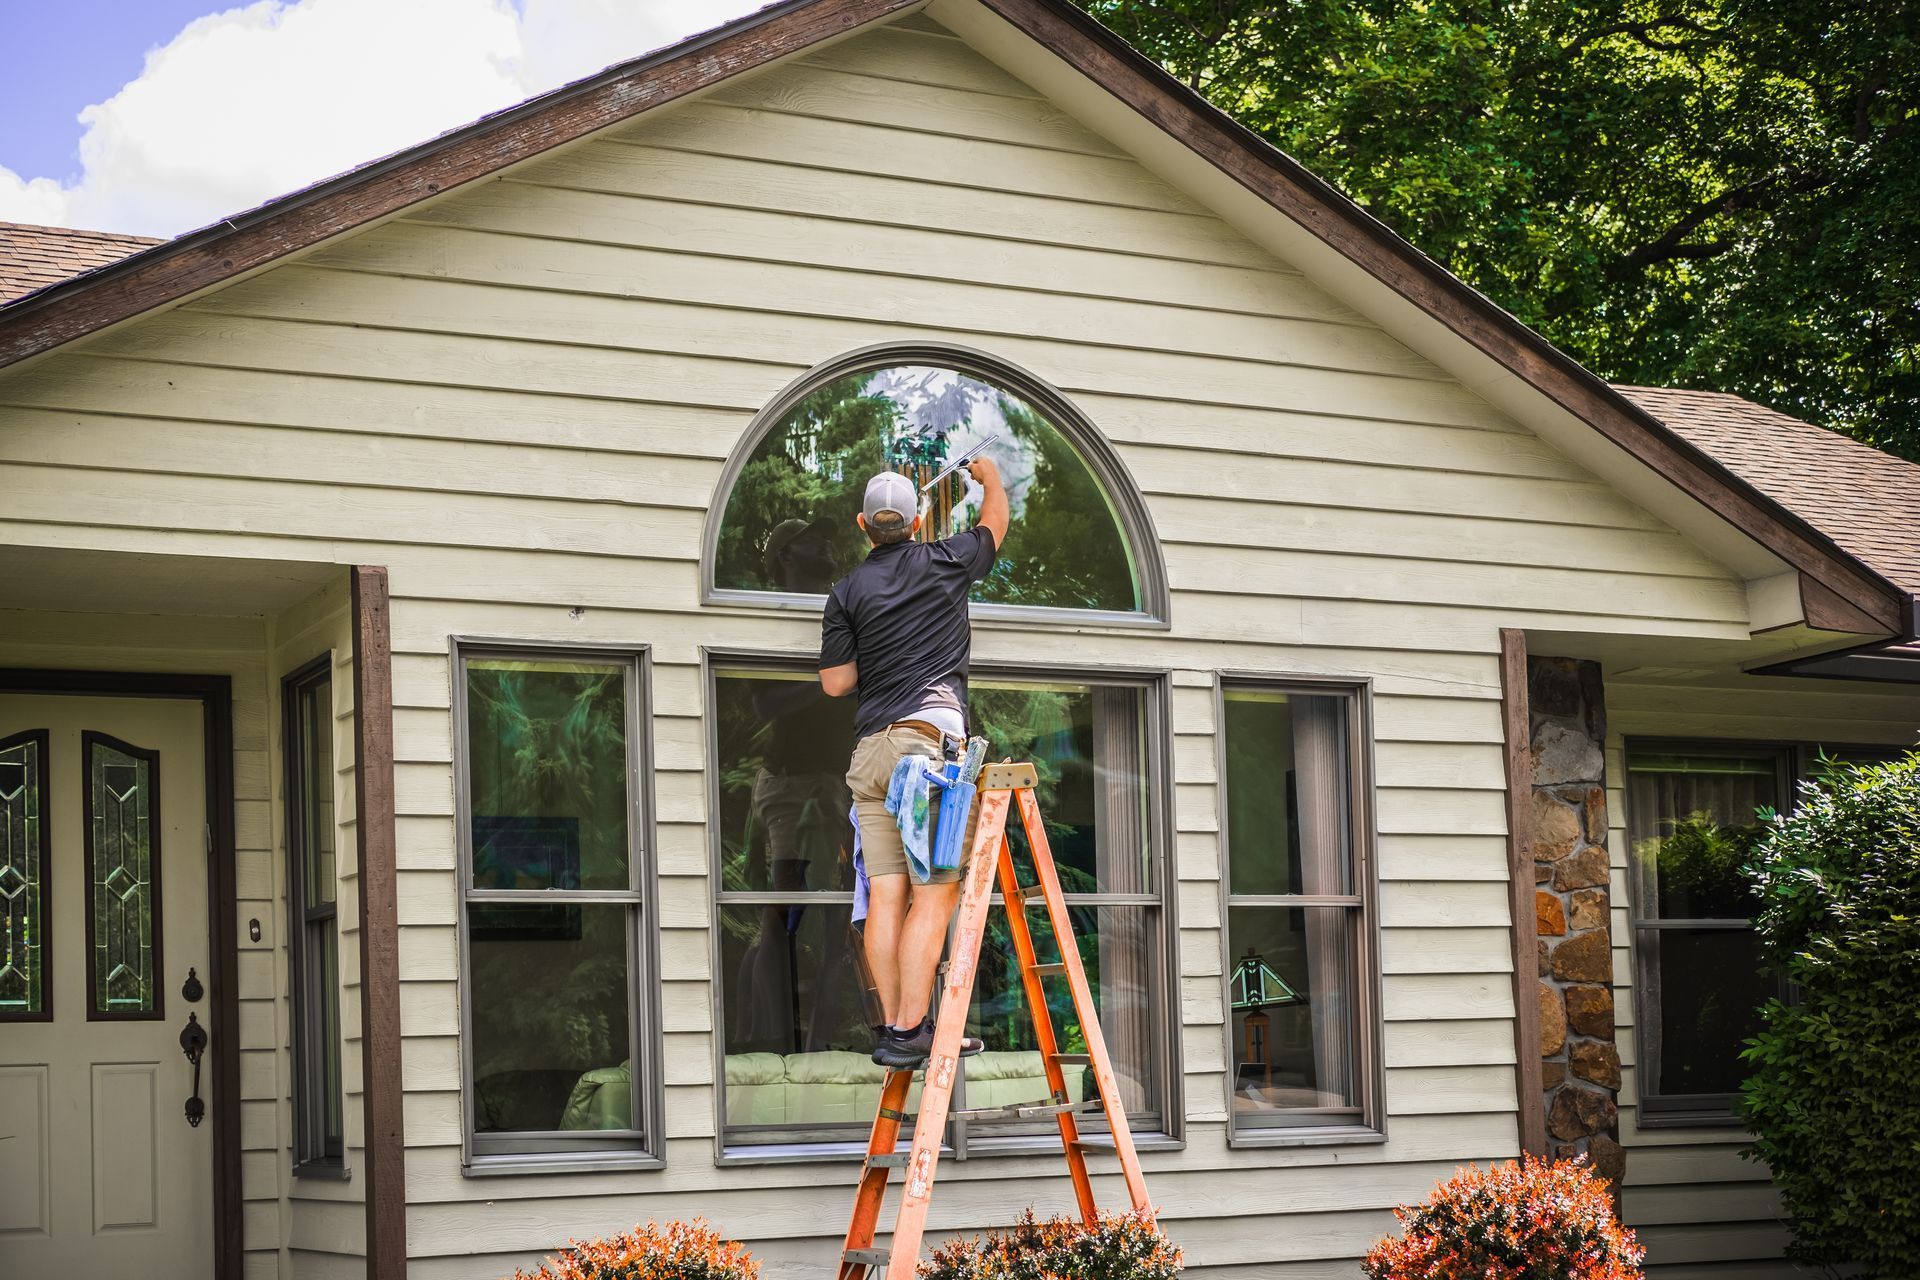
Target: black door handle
x: 193, y: 1043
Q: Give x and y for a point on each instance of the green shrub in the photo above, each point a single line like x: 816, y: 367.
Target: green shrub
x: 1124, y: 1246
x: 1834, y: 1098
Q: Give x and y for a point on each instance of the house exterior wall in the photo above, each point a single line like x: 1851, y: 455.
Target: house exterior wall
x: 520, y: 400
x: 1692, y: 1198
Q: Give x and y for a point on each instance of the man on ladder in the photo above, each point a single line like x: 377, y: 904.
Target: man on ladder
x: 896, y: 632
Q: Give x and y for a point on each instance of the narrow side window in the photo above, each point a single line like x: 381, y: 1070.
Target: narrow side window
x: 1301, y: 973
x: 313, y: 913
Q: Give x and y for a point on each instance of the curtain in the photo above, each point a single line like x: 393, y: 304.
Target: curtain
x: 1320, y: 779
x: 1126, y: 986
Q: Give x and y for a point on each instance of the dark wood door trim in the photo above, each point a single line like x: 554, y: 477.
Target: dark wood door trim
x: 215, y: 695
x: 382, y: 1096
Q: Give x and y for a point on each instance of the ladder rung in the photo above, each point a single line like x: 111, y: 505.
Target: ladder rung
x: 890, y: 1160
x: 1051, y: 969
x: 1072, y: 1059
x: 867, y: 1257
x: 1031, y: 893
x: 1027, y: 1110
x: 1096, y: 1142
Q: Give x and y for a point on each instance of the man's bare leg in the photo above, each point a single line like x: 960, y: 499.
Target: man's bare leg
x: 922, y: 940
x: 886, y: 916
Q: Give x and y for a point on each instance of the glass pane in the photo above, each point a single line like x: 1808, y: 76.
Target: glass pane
x: 783, y: 752
x: 1117, y: 947
x: 789, y: 519
x: 1287, y: 793
x: 1294, y: 1015
x: 317, y: 820
x: 1692, y: 823
x: 547, y: 773
x: 23, y: 854
x: 123, y: 851
x: 319, y: 1094
x: 1704, y: 1002
x: 552, y: 1037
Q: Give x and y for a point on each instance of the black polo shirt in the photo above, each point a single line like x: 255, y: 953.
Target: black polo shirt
x: 902, y: 615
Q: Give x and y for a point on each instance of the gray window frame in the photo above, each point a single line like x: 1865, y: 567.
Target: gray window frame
x: 1685, y: 1110
x: 1356, y: 693
x: 560, y: 1151
x: 315, y: 1152
x: 1129, y: 506
x: 1155, y: 685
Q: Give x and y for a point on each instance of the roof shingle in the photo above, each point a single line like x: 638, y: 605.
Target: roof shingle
x: 1867, y: 501
x: 33, y: 257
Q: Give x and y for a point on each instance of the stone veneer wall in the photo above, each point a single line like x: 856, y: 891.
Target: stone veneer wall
x: 1580, y: 1072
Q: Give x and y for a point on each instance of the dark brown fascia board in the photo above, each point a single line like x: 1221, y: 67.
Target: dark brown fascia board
x: 174, y: 269
x: 1283, y: 183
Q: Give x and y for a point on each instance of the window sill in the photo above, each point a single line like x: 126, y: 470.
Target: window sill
x: 324, y: 1171
x: 1255, y: 1137
x: 978, y: 1149
x: 501, y: 1166
x: 1689, y: 1120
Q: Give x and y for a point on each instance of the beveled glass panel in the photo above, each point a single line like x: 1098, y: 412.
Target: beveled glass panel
x: 547, y: 773
x: 123, y: 856
x: 789, y: 523
x: 23, y: 856
x: 1293, y: 1001
x: 316, y: 760
x: 552, y: 1032
x: 1287, y: 793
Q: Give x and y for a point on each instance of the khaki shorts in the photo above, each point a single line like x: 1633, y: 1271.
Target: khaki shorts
x: 867, y: 778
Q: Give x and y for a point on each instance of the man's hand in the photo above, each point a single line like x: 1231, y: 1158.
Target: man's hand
x: 994, y: 513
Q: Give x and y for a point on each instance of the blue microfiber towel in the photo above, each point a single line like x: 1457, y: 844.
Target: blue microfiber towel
x: 910, y: 801
x: 860, y: 885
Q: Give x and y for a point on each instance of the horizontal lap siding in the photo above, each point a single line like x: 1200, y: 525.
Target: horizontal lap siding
x: 520, y: 401
x: 1700, y: 1208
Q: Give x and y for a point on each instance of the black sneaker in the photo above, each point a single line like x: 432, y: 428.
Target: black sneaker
x: 908, y: 1052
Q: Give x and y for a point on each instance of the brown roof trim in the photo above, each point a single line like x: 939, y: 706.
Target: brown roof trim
x: 1344, y: 226
x: 172, y: 271
x: 41, y: 321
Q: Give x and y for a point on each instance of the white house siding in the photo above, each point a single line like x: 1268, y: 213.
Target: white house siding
x: 1700, y: 1209
x: 520, y: 401
x: 326, y: 1219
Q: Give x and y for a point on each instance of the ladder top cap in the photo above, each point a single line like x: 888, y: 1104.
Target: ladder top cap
x: 1009, y: 777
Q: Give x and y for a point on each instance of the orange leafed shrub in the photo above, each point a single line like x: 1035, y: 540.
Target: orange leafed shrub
x: 1120, y: 1246
x: 1530, y: 1221
x: 677, y: 1251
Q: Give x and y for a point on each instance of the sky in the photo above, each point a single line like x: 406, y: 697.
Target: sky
x: 159, y: 116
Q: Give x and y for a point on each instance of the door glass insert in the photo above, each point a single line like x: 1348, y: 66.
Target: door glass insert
x: 123, y: 878
x: 23, y: 860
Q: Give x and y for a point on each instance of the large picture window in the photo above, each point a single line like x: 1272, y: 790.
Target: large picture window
x: 783, y: 526
x: 1300, y: 974
x: 313, y: 907
x: 796, y: 1011
x: 1692, y: 818
x: 555, y: 921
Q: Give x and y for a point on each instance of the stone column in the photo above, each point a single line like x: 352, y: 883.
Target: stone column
x: 1580, y: 1069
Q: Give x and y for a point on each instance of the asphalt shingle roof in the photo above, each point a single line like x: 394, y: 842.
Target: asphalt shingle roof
x: 1867, y: 501
x: 33, y: 257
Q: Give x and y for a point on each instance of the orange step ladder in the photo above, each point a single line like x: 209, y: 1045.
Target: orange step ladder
x: 1001, y: 787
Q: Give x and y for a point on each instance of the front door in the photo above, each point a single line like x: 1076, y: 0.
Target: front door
x: 103, y: 915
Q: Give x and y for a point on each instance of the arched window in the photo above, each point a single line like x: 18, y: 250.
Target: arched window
x: 782, y: 529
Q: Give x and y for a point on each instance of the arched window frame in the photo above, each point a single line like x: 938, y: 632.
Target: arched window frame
x: 1129, y: 506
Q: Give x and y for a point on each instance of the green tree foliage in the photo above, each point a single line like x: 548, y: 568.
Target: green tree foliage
x: 1704, y: 193
x: 1834, y: 1098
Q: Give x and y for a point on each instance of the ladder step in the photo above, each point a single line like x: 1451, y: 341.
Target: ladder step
x: 1052, y: 969
x: 1031, y: 893
x: 1073, y: 1059
x: 1027, y: 1110
x: 892, y: 1160
x: 867, y: 1257
x: 1096, y: 1142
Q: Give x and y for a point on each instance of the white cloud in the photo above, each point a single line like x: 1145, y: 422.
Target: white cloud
x: 250, y: 103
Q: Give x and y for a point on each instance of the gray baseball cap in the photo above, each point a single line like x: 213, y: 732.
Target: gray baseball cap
x: 890, y: 492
